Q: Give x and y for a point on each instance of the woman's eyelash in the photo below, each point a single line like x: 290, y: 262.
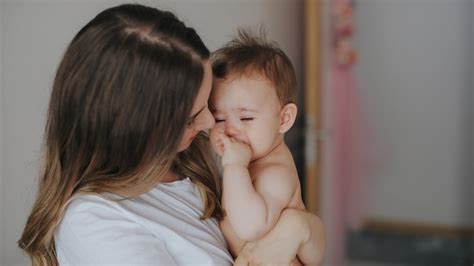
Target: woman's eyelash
x: 219, y: 120
x: 191, y: 121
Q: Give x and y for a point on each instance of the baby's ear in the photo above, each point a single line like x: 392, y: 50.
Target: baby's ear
x: 287, y: 117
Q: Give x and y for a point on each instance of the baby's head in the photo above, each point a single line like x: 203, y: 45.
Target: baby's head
x: 254, y: 92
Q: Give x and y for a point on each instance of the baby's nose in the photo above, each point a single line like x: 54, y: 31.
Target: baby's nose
x: 232, y: 129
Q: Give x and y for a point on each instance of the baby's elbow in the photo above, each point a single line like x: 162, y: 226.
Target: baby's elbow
x: 249, y: 235
x: 252, y: 232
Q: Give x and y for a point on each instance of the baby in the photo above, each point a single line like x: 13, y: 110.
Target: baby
x: 253, y: 102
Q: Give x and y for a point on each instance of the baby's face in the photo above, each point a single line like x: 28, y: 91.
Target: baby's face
x: 247, y: 109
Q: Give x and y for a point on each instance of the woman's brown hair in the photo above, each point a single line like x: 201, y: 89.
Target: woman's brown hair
x: 120, y: 103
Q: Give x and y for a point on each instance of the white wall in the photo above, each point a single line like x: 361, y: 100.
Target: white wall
x: 414, y: 69
x: 34, y: 38
x: 2, y: 225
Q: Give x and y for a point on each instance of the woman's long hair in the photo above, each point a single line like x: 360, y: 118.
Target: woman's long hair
x: 120, y: 103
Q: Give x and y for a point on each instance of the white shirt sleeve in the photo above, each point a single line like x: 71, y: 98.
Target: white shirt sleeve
x: 94, y: 231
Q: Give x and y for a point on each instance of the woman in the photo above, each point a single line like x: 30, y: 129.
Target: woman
x: 128, y: 176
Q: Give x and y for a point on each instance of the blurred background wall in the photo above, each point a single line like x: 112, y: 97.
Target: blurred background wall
x: 34, y: 35
x: 2, y: 227
x: 415, y: 76
x: 415, y: 72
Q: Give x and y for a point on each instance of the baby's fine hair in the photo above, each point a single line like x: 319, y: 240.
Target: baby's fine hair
x: 248, y: 54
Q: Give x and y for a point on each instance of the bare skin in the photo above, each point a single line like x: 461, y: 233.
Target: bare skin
x: 260, y: 180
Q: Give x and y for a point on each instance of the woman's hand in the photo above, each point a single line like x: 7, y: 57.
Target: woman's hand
x: 296, y: 233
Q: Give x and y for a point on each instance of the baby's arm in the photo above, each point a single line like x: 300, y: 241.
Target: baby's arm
x: 234, y: 243
x: 253, y: 211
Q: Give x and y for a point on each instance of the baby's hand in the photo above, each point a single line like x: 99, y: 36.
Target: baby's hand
x: 215, y: 137
x: 235, y: 152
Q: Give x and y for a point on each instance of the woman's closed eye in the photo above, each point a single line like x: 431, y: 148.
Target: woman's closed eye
x: 218, y: 120
x: 191, y: 122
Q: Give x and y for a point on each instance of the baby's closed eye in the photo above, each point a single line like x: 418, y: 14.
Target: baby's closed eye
x: 220, y: 120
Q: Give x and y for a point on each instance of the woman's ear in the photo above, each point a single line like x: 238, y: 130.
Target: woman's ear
x: 287, y: 117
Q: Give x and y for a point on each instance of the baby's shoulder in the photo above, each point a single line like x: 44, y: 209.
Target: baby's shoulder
x: 276, y: 174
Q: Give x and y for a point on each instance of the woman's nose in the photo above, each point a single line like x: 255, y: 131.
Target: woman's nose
x: 208, y: 120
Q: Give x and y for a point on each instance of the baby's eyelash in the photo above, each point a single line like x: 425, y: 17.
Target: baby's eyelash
x: 241, y: 119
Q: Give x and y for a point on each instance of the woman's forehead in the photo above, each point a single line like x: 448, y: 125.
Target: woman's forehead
x: 205, y: 89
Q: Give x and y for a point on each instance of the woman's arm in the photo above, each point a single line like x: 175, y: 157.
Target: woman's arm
x: 297, y: 233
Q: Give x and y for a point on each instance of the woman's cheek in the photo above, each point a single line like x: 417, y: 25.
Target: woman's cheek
x: 214, y: 139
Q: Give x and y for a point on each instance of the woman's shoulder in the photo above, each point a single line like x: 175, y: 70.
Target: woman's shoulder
x: 86, y: 213
x: 89, y: 206
x: 153, y: 205
x: 95, y: 229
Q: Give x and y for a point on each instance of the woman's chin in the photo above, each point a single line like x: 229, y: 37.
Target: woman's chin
x: 185, y: 146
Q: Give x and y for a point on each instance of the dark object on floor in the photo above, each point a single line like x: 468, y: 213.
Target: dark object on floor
x: 410, y: 249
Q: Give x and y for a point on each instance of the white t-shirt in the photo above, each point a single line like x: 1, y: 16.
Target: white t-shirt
x: 160, y: 227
